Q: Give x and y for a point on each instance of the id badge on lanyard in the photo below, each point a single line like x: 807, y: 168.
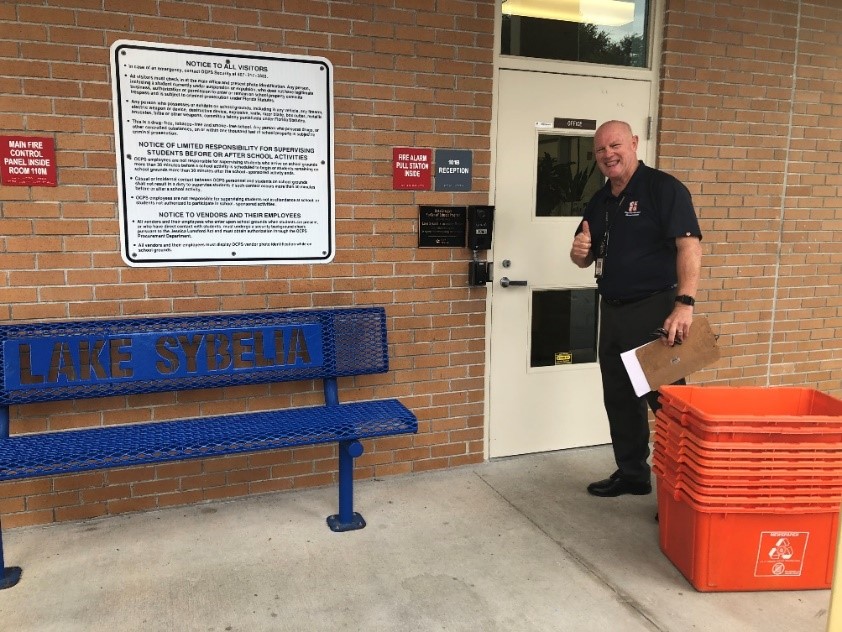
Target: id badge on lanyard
x: 599, y: 264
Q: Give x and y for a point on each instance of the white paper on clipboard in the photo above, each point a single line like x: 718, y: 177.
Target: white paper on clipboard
x: 635, y: 371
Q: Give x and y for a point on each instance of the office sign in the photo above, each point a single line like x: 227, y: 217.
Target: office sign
x: 573, y: 123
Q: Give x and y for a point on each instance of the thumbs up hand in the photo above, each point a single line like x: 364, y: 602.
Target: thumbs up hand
x: 580, y: 253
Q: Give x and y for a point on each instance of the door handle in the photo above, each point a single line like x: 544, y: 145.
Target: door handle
x: 505, y: 282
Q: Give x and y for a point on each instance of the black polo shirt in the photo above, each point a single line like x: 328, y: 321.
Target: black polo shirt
x: 643, y: 222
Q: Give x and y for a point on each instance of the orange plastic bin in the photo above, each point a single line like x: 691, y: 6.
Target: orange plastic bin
x: 772, y: 522
x: 742, y: 548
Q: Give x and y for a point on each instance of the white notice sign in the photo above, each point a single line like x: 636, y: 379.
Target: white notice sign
x: 225, y: 156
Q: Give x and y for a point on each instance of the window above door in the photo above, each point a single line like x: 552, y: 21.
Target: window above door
x: 608, y: 32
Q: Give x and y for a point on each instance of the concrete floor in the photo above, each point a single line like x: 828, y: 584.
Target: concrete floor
x: 510, y: 545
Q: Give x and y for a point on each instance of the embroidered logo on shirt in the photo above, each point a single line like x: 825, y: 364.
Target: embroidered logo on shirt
x: 632, y: 210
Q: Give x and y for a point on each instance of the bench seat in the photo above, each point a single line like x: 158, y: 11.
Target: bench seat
x: 74, y: 360
x: 50, y: 453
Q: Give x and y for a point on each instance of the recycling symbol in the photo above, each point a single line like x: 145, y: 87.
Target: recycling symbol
x: 782, y: 550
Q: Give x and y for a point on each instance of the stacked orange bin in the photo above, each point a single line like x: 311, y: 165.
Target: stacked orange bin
x: 749, y: 485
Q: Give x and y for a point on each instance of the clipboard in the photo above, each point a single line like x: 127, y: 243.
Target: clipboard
x: 654, y: 364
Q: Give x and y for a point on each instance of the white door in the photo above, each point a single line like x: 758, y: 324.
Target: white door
x: 545, y: 389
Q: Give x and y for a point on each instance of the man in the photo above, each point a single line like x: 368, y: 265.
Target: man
x: 641, y: 233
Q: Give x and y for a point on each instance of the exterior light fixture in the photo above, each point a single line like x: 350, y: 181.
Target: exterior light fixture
x: 601, y: 12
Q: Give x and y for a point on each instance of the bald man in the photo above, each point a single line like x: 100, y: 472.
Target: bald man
x: 641, y: 234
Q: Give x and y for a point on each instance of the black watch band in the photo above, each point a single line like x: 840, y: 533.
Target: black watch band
x: 684, y: 299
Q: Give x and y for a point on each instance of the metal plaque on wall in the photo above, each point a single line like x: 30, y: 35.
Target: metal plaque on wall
x: 441, y: 226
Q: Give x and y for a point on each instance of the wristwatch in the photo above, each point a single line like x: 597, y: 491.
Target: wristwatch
x: 684, y: 299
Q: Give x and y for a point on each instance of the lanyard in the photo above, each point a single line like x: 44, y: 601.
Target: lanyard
x: 603, y: 246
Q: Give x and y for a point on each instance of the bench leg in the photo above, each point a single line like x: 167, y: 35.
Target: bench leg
x: 8, y: 576
x: 347, y: 519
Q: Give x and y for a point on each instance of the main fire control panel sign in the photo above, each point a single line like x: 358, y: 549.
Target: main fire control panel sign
x: 224, y: 157
x: 28, y: 161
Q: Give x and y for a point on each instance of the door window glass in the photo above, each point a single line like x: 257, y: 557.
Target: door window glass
x: 610, y: 32
x: 566, y: 176
x: 564, y: 327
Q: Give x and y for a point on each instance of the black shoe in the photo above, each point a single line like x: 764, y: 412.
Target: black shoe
x: 617, y: 487
x: 605, y: 483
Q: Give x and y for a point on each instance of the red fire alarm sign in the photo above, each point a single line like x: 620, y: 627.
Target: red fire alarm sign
x: 28, y: 161
x: 412, y: 169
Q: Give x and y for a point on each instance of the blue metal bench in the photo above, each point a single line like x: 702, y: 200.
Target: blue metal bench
x: 52, y: 361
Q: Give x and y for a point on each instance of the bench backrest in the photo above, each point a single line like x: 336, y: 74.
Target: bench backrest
x: 99, y: 358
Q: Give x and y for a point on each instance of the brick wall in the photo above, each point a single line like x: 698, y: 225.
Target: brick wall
x: 750, y: 118
x: 751, y: 121
x: 414, y: 73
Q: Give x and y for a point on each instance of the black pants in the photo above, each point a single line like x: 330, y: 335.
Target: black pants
x: 622, y: 328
